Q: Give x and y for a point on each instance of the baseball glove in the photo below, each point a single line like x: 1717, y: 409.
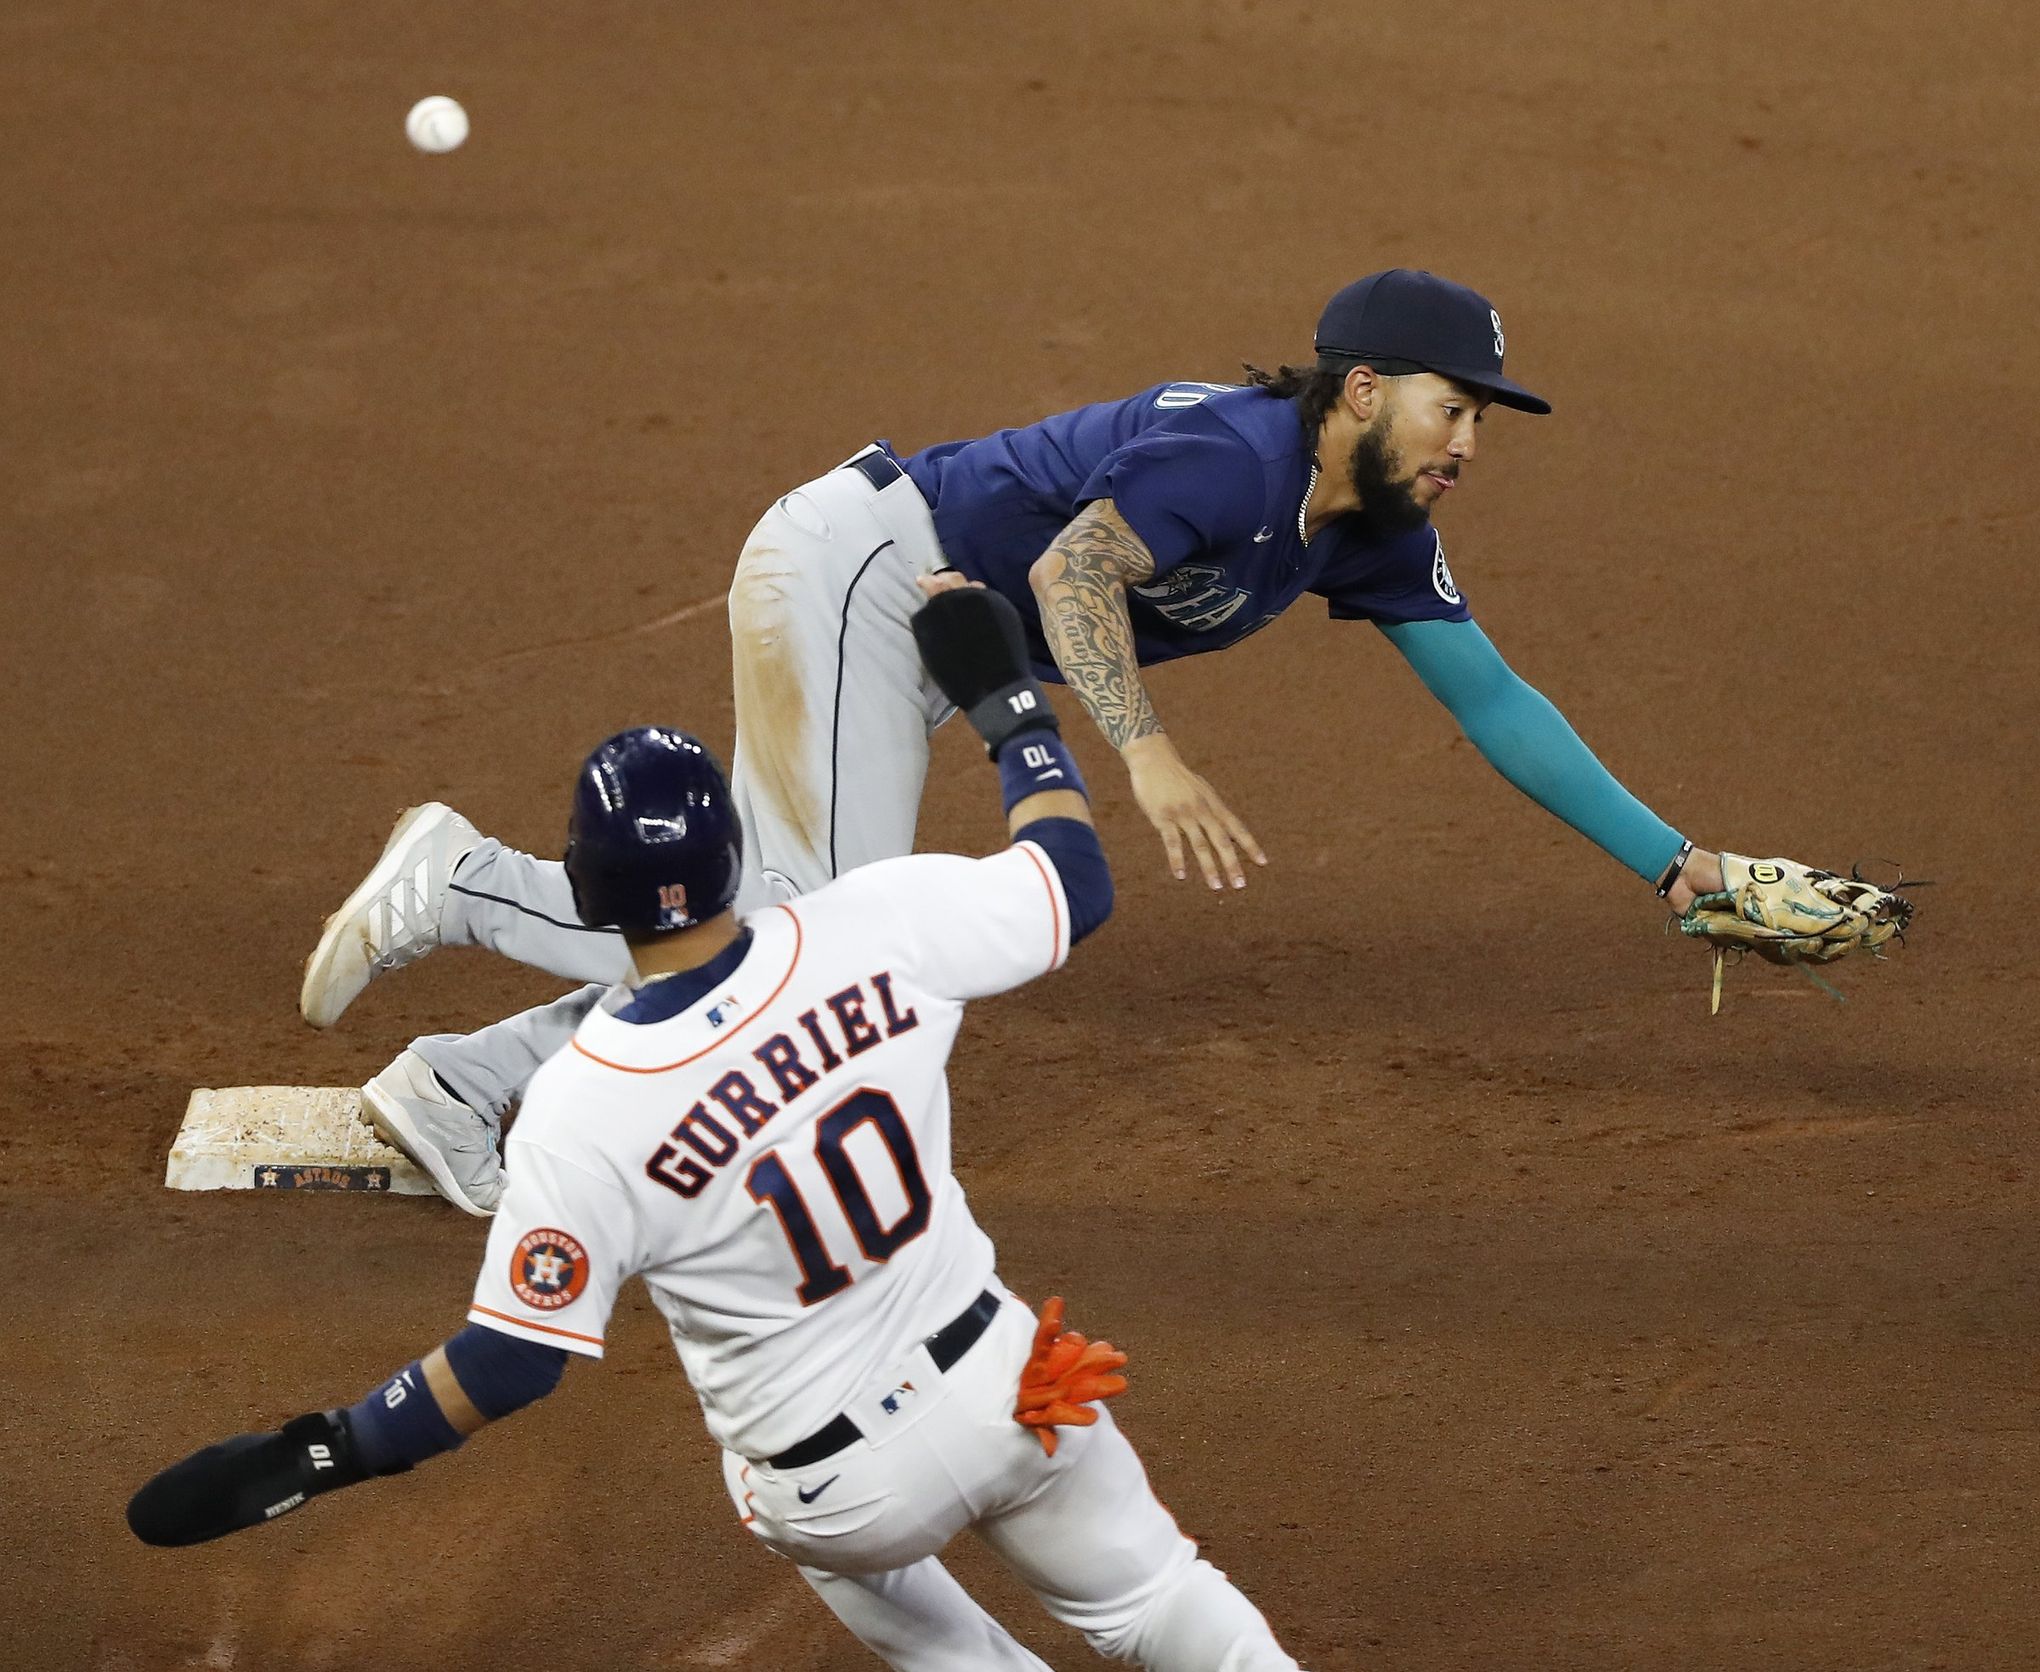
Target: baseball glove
x: 1788, y: 913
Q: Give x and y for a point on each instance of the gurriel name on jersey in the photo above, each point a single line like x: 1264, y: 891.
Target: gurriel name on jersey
x: 710, y: 1144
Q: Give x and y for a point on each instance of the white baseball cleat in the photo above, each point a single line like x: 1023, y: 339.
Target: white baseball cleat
x: 392, y: 919
x: 455, y: 1144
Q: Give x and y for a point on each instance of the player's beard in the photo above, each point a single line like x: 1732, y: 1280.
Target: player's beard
x: 1388, y: 501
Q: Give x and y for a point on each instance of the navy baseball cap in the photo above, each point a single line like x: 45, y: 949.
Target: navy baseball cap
x: 1426, y: 324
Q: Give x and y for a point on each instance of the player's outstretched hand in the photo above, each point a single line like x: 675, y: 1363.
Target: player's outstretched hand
x: 245, y: 1481
x: 1186, y: 810
x: 1064, y: 1377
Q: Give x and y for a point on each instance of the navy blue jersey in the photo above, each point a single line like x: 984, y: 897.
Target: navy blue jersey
x: 1212, y: 478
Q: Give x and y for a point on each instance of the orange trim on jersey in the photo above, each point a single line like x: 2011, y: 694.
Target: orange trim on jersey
x: 1054, y: 905
x: 526, y: 1323
x: 728, y: 1034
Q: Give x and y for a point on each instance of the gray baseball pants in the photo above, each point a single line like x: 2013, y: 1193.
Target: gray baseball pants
x: 833, y: 711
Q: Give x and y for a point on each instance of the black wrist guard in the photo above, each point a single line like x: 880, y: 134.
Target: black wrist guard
x: 976, y: 652
x: 246, y: 1481
x: 1012, y: 709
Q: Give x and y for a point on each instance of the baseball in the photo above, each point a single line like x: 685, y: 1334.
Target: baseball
x: 436, y: 124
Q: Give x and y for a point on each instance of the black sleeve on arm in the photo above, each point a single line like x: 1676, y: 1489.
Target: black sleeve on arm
x: 246, y: 1481
x: 1073, y: 848
x: 975, y: 649
x: 252, y: 1479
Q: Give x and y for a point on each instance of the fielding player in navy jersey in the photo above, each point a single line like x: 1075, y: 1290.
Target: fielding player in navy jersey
x: 1213, y: 483
x: 1171, y: 523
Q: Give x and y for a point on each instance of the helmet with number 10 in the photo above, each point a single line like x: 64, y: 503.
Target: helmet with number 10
x: 654, y: 842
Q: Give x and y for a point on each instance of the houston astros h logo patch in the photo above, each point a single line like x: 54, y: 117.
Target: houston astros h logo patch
x: 548, y: 1269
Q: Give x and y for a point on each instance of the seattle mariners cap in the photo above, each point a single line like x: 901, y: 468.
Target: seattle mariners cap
x: 1405, y: 321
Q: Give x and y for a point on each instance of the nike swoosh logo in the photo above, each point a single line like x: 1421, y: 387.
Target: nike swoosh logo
x: 810, y: 1497
x: 1264, y: 536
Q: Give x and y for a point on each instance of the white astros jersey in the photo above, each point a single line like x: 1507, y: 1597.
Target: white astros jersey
x: 774, y: 1158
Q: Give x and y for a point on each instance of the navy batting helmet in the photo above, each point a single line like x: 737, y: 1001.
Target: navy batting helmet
x: 654, y: 842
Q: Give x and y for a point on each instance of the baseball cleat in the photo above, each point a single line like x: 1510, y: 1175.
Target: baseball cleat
x: 392, y: 919
x: 409, y: 1106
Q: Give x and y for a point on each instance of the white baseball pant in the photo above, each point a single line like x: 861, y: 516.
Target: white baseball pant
x: 833, y: 714
x: 1083, y: 1529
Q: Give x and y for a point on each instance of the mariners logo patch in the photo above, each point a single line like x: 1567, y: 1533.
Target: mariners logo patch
x: 548, y: 1269
x: 1194, y: 595
x: 1441, y: 574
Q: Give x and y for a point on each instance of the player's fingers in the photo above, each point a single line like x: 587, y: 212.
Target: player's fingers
x: 1172, y: 845
x: 1235, y: 828
x: 944, y: 580
x: 1229, y: 861
x: 1240, y: 833
x: 1200, y: 845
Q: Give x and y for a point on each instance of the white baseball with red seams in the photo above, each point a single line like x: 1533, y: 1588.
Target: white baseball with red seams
x: 773, y: 1160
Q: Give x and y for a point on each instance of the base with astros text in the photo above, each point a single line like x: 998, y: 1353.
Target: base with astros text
x: 286, y: 1138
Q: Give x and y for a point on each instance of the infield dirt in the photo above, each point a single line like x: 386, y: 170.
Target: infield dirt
x: 1489, y: 1305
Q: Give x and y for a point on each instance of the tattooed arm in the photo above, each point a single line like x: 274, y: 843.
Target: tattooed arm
x: 1081, y: 583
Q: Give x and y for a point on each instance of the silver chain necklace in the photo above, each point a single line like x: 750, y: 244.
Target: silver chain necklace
x: 1303, y: 509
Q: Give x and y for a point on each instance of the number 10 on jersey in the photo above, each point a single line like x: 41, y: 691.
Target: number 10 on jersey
x: 770, y: 1183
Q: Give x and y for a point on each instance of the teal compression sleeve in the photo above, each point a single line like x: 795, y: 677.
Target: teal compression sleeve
x: 1528, y: 742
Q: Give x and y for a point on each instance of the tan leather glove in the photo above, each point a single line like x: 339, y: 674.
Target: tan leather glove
x: 1789, y: 913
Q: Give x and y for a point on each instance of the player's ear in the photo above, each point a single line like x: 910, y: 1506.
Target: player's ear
x: 1363, y: 393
